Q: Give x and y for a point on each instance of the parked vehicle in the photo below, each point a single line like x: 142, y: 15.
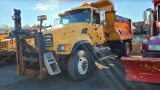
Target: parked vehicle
x: 136, y: 31
x: 147, y: 68
x: 7, y: 48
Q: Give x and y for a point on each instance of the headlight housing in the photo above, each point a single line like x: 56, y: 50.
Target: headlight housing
x: 63, y: 47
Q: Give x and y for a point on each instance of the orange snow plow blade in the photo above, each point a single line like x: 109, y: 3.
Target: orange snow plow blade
x: 142, y: 69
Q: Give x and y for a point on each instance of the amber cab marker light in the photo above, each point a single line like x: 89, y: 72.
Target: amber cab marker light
x: 148, y: 37
x: 158, y: 24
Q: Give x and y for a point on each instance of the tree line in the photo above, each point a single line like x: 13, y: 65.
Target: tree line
x: 4, y: 27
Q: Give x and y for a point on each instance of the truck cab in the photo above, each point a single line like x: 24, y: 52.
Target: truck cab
x: 146, y: 68
x: 151, y: 45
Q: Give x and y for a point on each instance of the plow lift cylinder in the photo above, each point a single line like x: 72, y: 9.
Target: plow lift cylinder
x: 17, y: 19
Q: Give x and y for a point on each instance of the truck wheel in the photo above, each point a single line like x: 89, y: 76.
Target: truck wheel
x: 79, y: 65
x: 127, y: 49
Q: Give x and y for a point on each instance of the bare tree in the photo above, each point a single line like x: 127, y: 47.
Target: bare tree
x: 26, y: 26
x: 3, y: 27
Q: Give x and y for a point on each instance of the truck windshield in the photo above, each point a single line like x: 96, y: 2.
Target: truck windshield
x: 81, y: 15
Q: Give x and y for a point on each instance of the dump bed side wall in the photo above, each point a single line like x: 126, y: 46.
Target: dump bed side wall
x: 117, y: 28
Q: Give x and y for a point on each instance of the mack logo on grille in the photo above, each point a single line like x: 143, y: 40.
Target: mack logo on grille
x: 48, y: 40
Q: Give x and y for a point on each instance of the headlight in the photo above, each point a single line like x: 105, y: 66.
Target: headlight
x: 63, y: 47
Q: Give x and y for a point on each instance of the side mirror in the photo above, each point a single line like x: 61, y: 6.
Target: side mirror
x: 158, y: 12
x: 42, y: 17
x: 144, y: 16
x: 56, y: 21
x: 102, y: 16
x: 158, y: 15
x: 149, y: 9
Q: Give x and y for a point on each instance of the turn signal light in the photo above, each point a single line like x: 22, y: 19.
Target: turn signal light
x: 148, y: 37
x: 42, y: 17
x: 67, y: 47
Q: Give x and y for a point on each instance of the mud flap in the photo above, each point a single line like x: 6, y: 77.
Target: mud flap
x: 142, y: 69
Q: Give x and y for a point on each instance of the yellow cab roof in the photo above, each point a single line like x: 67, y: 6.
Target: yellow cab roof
x: 81, y: 7
x: 94, y: 5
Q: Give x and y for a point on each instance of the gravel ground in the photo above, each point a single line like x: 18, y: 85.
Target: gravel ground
x: 109, y: 75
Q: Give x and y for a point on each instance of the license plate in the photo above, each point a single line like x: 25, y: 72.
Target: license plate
x: 154, y: 47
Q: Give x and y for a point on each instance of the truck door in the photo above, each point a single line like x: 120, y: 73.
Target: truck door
x: 97, y: 29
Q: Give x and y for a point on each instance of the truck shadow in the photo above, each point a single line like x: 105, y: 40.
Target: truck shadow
x: 113, y: 73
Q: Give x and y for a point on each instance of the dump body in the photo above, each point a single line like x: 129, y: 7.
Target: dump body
x: 117, y: 27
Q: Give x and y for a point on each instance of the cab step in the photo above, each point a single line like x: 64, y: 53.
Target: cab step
x: 51, y: 64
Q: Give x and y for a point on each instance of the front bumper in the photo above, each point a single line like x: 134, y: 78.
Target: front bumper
x: 150, y: 54
x: 6, y: 53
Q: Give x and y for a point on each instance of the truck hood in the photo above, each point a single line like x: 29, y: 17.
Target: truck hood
x: 53, y: 28
x: 153, y: 40
x: 66, y: 30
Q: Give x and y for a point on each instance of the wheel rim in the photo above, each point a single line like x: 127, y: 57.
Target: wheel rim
x: 82, y: 65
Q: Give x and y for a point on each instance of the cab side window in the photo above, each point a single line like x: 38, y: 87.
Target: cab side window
x: 96, y: 18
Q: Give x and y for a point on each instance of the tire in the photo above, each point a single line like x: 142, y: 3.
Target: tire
x: 124, y: 50
x: 127, y: 49
x: 120, y: 50
x: 75, y: 69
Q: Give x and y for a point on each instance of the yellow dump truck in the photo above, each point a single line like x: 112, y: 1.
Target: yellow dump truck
x: 84, y: 34
x: 7, y: 47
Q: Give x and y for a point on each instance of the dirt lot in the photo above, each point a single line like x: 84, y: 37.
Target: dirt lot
x: 106, y: 77
x: 137, y: 44
x: 109, y: 75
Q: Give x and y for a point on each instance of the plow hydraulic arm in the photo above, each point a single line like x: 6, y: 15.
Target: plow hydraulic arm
x: 32, y: 60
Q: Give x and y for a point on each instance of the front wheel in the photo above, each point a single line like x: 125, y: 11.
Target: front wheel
x: 79, y: 65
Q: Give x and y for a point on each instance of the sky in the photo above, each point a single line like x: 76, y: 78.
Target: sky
x: 30, y: 9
